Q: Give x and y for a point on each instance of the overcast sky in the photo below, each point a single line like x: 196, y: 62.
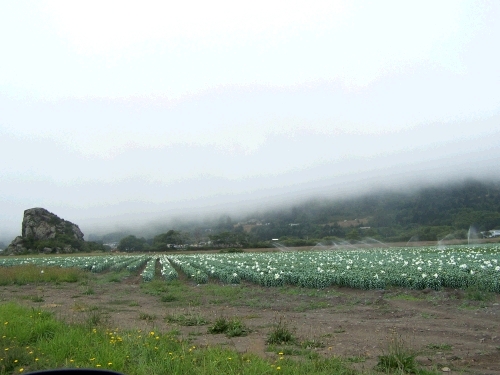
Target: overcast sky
x: 119, y: 111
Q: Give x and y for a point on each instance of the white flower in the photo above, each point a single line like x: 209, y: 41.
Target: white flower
x: 435, y: 275
x: 424, y: 275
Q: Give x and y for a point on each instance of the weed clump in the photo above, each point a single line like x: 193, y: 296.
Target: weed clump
x: 281, y: 334
x: 399, y: 358
x: 231, y: 327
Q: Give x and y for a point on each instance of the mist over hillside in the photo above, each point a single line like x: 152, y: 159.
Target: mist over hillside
x: 430, y: 213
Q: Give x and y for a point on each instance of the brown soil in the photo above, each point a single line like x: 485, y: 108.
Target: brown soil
x: 446, y: 327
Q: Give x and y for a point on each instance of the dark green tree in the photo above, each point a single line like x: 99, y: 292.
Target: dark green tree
x: 165, y: 241
x: 132, y: 243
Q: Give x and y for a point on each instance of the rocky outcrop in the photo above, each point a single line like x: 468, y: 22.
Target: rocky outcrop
x: 40, y: 224
x: 45, y: 232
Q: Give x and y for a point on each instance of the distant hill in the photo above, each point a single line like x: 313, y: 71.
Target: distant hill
x: 427, y: 213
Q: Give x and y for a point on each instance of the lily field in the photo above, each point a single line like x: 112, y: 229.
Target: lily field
x: 375, y: 268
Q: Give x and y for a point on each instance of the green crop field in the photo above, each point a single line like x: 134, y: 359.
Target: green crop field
x: 414, y: 268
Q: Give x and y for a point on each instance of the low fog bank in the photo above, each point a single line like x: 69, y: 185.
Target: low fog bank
x: 206, y: 216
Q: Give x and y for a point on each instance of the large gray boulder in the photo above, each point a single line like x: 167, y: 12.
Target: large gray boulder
x: 43, y: 231
x: 40, y: 224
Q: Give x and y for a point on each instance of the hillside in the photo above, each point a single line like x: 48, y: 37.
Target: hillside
x: 429, y: 213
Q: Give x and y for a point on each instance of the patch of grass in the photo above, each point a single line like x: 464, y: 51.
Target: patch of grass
x: 311, y: 344
x: 404, y: 297
x: 281, y: 334
x: 224, y: 292
x: 356, y: 359
x: 114, y: 278
x: 188, y: 320
x: 169, y: 298
x: 252, y: 316
x: 119, y: 302
x: 439, y: 346
x: 231, y: 327
x: 258, y: 302
x: 89, y: 291
x: 289, y: 350
x: 37, y: 299
x: 427, y: 315
x: 174, y: 291
x: 94, y: 318
x: 29, y: 274
x: 133, y: 304
x: 306, y: 306
x: 155, y: 287
x: 399, y: 358
x: 147, y: 317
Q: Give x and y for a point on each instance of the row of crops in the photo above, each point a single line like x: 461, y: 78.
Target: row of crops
x: 415, y: 268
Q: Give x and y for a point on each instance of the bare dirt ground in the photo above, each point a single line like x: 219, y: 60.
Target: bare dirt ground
x: 450, y: 329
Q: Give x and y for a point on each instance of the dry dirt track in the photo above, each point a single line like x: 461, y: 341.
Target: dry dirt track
x: 446, y: 327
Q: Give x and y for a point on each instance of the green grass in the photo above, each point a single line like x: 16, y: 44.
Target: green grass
x: 281, y: 334
x: 400, y: 359
x: 175, y: 292
x: 427, y: 315
x: 155, y: 287
x: 30, y: 274
x: 310, y: 344
x: 89, y: 291
x: 292, y: 350
x: 188, y: 320
x: 169, y: 298
x: 115, y: 277
x: 147, y: 317
x: 33, y: 340
x: 231, y: 327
